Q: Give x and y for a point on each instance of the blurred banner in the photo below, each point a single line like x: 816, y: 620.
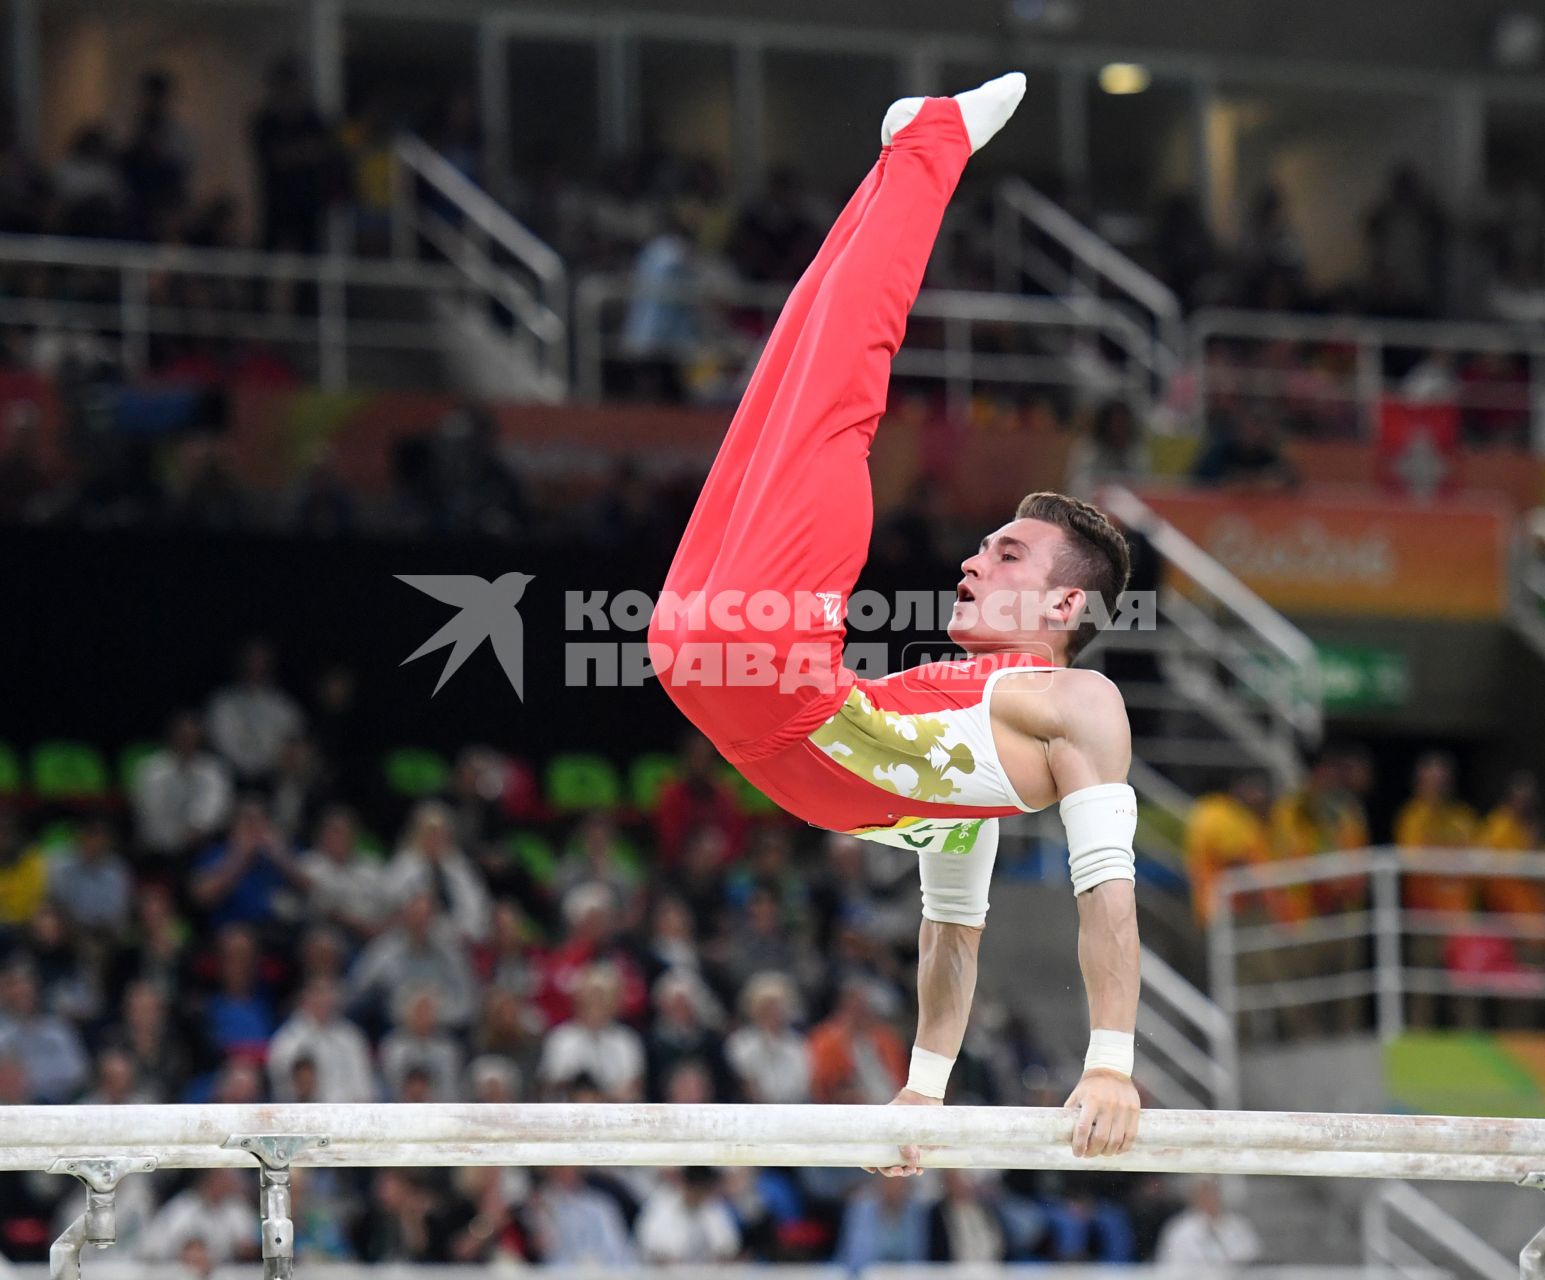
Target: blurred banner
x: 1350, y: 557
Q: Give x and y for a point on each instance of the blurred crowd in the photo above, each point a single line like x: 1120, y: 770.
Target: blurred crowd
x: 1249, y: 824
x: 258, y: 918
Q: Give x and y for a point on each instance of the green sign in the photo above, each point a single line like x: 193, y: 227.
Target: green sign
x: 1356, y: 678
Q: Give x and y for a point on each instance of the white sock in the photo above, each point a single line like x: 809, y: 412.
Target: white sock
x: 985, y: 109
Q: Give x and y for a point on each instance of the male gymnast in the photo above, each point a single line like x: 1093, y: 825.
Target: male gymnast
x: 748, y: 635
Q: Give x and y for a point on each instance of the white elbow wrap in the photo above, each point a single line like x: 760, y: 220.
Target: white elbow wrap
x: 1101, y: 823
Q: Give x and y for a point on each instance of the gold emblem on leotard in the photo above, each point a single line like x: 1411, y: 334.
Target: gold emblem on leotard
x: 904, y: 754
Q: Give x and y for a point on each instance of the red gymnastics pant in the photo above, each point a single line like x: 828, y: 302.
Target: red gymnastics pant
x: 787, y: 506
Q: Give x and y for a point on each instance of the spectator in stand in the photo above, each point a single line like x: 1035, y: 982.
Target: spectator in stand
x: 252, y: 878
x: 239, y: 1015
x: 155, y: 951
x: 590, y: 918
x: 672, y: 939
x: 91, y: 884
x: 492, y: 1078
x: 510, y: 1030
x: 47, y: 1045
x: 685, y: 1028
x: 665, y: 327
x: 345, y: 886
x: 1206, y: 1234
x: 297, y: 163
x: 181, y: 797
x: 854, y: 1055
x: 400, y: 1222
x: 594, y: 1043
x: 251, y: 720
x: 155, y: 1043
x: 776, y: 235
x: 299, y: 791
x: 597, y: 853
x: 574, y: 1225
x: 1272, y: 261
x: 770, y: 1059
x: 428, y: 861
x: 1514, y: 827
x: 1246, y: 453
x: 1323, y: 817
x: 1435, y: 819
x: 421, y: 949
x: 481, y: 1224
x: 66, y: 966
x: 318, y: 1031
x: 1110, y: 452
x: 966, y: 1225
x: 698, y: 880
x: 157, y: 161
x: 883, y: 1224
x: 420, y: 1044
x: 89, y: 194
x: 687, y: 1220
x: 698, y: 797
x: 23, y: 872
x: 214, y: 1210
x: 764, y: 941
x: 117, y: 1083
x: 1407, y: 236
x: 1231, y: 829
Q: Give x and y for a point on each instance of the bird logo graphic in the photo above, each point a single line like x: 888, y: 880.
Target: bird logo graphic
x: 486, y: 611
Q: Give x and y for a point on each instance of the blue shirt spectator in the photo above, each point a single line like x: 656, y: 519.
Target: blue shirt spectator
x: 883, y: 1223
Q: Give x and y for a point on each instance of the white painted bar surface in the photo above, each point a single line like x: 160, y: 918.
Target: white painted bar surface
x: 1368, y: 1146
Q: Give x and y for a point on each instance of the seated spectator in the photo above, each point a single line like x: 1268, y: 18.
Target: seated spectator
x: 239, y: 1015
x: 252, y: 878
x: 428, y: 861
x: 23, y: 872
x: 159, y: 1049
x: 47, y: 1046
x: 181, y: 797
x: 215, y: 1210
x: 155, y: 951
x: 117, y: 1083
x: 510, y: 1029
x: 318, y: 1030
x: 1111, y: 452
x: 596, y: 853
x: 594, y: 1043
x: 250, y: 721
x: 508, y: 958
x: 1206, y: 1234
x: 401, y: 1222
x: 966, y: 1223
x: 763, y: 941
x: 883, y: 1223
x: 672, y: 940
x: 481, y: 1224
x: 685, y: 1029
x: 344, y: 884
x: 491, y: 1078
x: 421, y: 949
x: 590, y: 919
x: 574, y: 1225
x: 1246, y: 453
x: 770, y: 1059
x: 1435, y: 819
x: 419, y: 1044
x: 698, y: 796
x: 1514, y: 827
x: 299, y: 789
x: 687, y: 1220
x: 698, y: 880
x: 854, y: 1055
x: 65, y: 965
x: 90, y: 883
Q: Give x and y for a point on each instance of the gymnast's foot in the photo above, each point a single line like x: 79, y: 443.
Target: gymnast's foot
x: 985, y: 110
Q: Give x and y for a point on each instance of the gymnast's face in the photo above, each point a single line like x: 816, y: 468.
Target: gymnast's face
x: 1009, y: 596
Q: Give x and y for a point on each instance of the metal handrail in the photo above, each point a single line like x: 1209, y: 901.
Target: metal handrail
x: 1436, y: 1225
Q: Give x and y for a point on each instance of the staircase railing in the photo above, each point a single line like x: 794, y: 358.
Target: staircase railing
x: 1224, y: 654
x: 1186, y: 1052
x: 1039, y: 241
x: 1409, y: 1232
x: 440, y: 213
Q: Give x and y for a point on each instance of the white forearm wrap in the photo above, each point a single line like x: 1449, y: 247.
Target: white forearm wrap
x: 930, y: 1074
x: 1101, y: 824
x: 1110, y: 1050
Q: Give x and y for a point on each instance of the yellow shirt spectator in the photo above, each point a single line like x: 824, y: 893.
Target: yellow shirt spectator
x: 1433, y: 819
x: 1315, y: 821
x: 23, y: 885
x: 1224, y: 832
x: 1511, y: 827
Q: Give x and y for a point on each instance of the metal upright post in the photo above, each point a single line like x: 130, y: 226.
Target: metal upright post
x: 274, y: 1153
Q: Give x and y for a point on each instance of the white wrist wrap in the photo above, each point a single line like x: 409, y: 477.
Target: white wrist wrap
x: 1101, y: 823
x: 1110, y: 1050
x: 930, y: 1073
